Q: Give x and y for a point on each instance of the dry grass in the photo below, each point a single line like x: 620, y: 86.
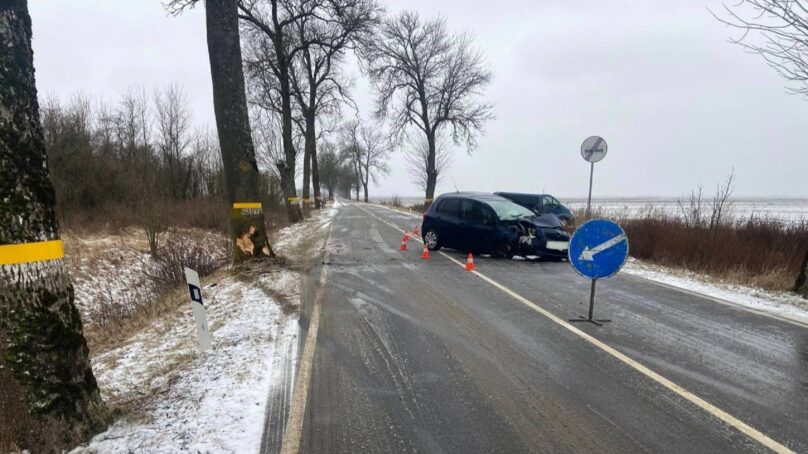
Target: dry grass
x: 760, y: 252
x: 117, y: 283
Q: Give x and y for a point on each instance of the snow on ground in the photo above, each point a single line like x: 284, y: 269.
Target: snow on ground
x: 174, y: 398
x: 214, y: 402
x: 107, y: 268
x: 786, y: 210
x: 787, y: 305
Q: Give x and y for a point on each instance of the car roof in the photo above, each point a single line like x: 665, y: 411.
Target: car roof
x: 481, y: 196
x: 522, y: 194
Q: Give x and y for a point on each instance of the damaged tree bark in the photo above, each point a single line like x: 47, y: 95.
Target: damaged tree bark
x: 233, y: 125
x: 44, y: 361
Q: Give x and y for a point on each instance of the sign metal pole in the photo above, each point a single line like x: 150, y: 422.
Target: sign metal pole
x: 592, y: 254
x: 589, y: 198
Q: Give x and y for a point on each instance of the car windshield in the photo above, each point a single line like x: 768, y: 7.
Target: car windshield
x: 509, y: 210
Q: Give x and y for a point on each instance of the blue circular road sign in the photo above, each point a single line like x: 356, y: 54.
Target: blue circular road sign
x: 598, y: 249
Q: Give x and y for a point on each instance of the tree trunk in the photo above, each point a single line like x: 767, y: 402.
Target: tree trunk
x: 308, y: 146
x: 802, y: 281
x: 242, y: 179
x: 288, y: 174
x: 315, y: 171
x: 365, y: 187
x: 50, y: 398
x: 431, y: 171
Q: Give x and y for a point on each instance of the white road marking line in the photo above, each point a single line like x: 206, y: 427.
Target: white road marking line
x: 727, y: 418
x: 297, y: 411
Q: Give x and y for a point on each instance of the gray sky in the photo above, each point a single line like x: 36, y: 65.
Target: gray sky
x: 678, y: 105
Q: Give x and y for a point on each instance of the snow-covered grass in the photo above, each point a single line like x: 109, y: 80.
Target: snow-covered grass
x: 175, y: 398
x: 782, y: 304
x: 107, y: 267
x: 171, y: 397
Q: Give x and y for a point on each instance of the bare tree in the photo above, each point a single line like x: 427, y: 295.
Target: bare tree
x: 271, y: 24
x: 777, y: 30
x: 368, y: 151
x: 132, y: 121
x: 173, y: 120
x: 417, y: 157
x: 232, y: 117
x: 317, y: 82
x: 721, y: 204
x: 208, y: 161
x: 428, y: 78
x: 45, y: 375
x: 331, y: 163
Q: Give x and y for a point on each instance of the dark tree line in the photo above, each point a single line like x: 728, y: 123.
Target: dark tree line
x: 140, y: 150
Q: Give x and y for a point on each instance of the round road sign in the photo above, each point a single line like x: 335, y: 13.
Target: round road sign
x: 598, y: 249
x: 594, y: 148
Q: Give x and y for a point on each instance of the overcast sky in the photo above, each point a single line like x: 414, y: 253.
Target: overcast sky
x: 678, y: 105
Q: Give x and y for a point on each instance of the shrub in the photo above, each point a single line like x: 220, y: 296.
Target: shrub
x: 185, y: 251
x: 762, y: 252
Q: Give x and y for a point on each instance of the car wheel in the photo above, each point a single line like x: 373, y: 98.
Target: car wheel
x: 503, y: 251
x: 431, y: 240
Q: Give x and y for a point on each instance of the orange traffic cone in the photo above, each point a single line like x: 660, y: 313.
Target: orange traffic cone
x: 416, y: 232
x: 470, y: 262
x: 425, y: 253
x: 403, y: 246
x: 406, y: 236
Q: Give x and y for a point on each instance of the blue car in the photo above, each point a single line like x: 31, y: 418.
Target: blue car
x: 485, y: 223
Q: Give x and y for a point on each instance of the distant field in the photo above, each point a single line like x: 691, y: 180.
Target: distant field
x: 787, y: 210
x: 784, y: 210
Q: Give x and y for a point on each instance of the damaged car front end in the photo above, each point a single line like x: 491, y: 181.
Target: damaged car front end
x: 540, y: 236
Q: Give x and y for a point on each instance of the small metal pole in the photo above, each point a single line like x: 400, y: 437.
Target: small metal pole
x: 589, y: 198
x: 592, y: 300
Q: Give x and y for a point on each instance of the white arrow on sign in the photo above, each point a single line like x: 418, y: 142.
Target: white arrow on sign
x: 589, y: 254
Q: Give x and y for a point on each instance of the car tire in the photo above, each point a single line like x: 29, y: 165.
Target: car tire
x: 502, y: 251
x: 431, y: 240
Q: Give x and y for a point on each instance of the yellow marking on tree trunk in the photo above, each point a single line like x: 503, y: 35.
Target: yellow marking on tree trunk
x: 14, y: 254
x: 242, y: 205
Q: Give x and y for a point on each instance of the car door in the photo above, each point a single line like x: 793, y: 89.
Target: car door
x: 448, y: 225
x: 477, y: 225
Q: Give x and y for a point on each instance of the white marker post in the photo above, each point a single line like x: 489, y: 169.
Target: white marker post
x: 195, y: 290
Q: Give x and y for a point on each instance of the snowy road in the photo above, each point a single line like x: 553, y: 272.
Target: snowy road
x: 422, y: 356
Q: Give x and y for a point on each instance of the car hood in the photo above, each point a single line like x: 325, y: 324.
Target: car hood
x: 547, y: 220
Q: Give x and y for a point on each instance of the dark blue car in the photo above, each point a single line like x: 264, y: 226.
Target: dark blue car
x: 485, y: 223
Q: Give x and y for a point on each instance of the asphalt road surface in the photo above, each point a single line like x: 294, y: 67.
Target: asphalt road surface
x: 411, y: 355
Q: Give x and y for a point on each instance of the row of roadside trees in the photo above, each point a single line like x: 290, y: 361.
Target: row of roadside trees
x: 427, y: 80
x: 427, y: 83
